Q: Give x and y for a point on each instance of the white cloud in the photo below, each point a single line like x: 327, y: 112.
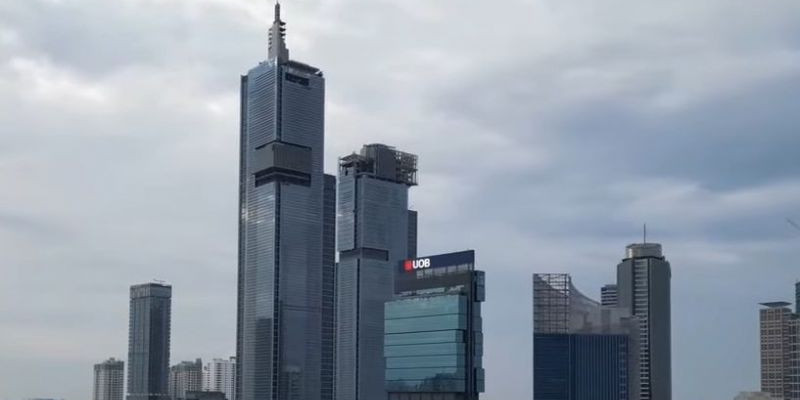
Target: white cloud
x: 39, y: 80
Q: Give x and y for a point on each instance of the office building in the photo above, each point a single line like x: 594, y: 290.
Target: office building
x: 780, y: 360
x: 285, y: 328
x: 581, y: 349
x: 433, y: 332
x: 109, y: 378
x: 187, y: 376
x: 219, y: 375
x: 375, y: 231
x: 643, y: 287
x: 148, y: 341
x: 608, y: 295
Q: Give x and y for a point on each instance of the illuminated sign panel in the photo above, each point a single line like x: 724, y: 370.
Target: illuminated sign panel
x: 438, y: 261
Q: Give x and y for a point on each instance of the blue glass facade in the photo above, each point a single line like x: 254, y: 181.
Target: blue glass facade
x: 286, y: 260
x: 148, y: 342
x: 581, y: 350
x: 374, y: 233
x: 433, y: 341
x: 580, y: 367
x: 425, y: 347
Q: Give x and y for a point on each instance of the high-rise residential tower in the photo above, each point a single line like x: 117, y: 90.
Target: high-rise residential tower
x: 581, y: 349
x: 220, y: 376
x: 375, y: 233
x: 433, y: 330
x: 285, y: 328
x: 187, y: 376
x: 643, y: 287
x: 780, y: 351
x: 148, y: 341
x: 109, y: 378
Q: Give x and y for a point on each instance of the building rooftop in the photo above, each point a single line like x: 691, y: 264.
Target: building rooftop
x: 381, y: 162
x: 776, y: 304
x: 637, y: 250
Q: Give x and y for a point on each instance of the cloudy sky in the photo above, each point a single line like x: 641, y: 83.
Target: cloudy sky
x: 548, y: 131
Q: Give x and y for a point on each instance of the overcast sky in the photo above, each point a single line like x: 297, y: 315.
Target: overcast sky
x: 548, y: 131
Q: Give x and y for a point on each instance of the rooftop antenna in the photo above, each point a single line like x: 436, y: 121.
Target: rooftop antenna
x: 644, y: 231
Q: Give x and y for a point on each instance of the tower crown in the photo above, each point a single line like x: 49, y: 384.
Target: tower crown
x: 277, y: 37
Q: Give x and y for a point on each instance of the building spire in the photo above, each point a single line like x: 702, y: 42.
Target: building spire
x: 277, y: 37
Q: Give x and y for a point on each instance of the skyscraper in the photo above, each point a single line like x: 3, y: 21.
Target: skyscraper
x: 148, y: 341
x: 220, y: 376
x: 375, y: 231
x: 285, y: 328
x: 109, y: 378
x: 780, y: 359
x: 643, y: 287
x: 187, y: 376
x: 581, y: 350
x: 434, y: 331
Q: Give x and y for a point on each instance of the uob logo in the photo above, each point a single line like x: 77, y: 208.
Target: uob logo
x: 410, y: 265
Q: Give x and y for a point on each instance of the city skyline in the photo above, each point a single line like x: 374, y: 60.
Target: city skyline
x: 529, y: 174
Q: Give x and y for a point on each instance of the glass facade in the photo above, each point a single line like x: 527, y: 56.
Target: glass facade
x: 375, y: 233
x: 148, y: 342
x: 581, y: 350
x: 286, y: 261
x: 433, y: 340
x: 580, y: 367
x: 425, y: 347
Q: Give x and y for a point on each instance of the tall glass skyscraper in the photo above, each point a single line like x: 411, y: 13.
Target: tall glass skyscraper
x: 643, y: 287
x: 434, y: 331
x: 285, y: 338
x: 376, y: 231
x: 581, y: 350
x: 148, y: 341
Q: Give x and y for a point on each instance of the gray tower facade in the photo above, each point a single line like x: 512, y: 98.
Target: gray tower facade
x: 109, y: 378
x: 376, y: 232
x: 643, y: 287
x: 286, y: 245
x: 148, y: 341
x: 780, y: 351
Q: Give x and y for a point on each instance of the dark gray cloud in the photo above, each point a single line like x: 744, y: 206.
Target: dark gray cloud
x: 548, y: 132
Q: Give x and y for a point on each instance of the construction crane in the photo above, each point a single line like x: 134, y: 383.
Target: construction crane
x: 794, y: 225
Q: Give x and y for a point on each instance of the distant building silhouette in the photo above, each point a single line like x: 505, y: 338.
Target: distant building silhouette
x: 148, y: 341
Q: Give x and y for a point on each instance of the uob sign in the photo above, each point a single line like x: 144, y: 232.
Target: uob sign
x: 421, y: 263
